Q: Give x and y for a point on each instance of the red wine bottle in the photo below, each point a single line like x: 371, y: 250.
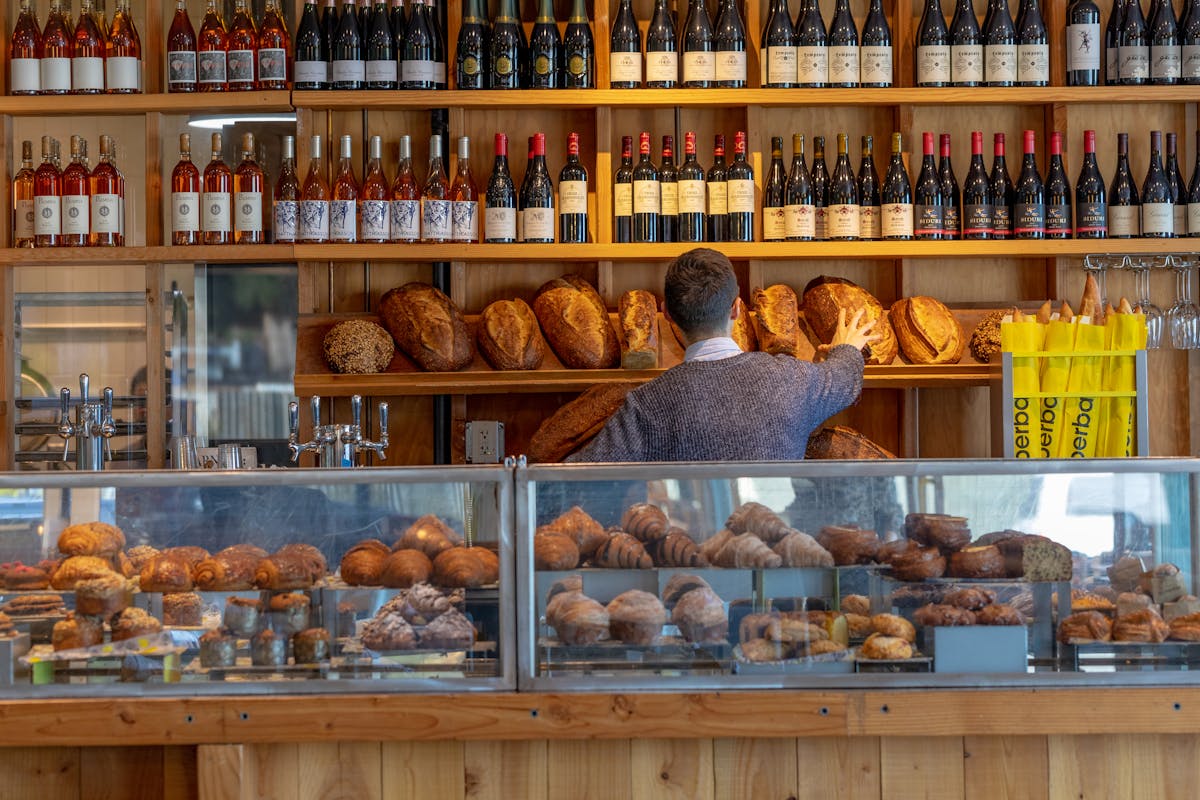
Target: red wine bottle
x: 876, y: 54
x: 1164, y: 44
x: 1112, y: 43
x: 1178, y: 190
x: 799, y: 212
x: 1058, y: 192
x: 933, y: 47
x: 699, y: 48
x: 812, y: 47
x: 1124, y: 203
x: 500, y: 200
x: 1091, y: 198
x: 1001, y: 193
x: 1033, y: 47
x: 1189, y: 47
x: 1158, y: 213
x: 977, y: 194
x: 625, y: 49
x: 623, y: 193
x: 951, y: 201
x: 966, y: 46
x: 896, y: 197
x: 820, y: 179
x: 731, y: 46
x: 573, y: 196
x: 668, y: 181
x: 537, y: 198
x: 842, y: 222
x: 1083, y: 43
x: 662, y: 49
x: 718, y: 194
x: 779, y: 48
x: 1135, y: 46
x: 999, y: 45
x: 691, y: 193
x: 1029, y: 212
x: 870, y: 224
x: 775, y: 195
x: 647, y: 194
x: 927, y: 196
x: 740, y: 189
x: 1193, y: 195
x: 843, y: 48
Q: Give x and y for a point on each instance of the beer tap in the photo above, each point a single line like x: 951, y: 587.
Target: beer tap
x: 92, y: 428
x: 337, y: 445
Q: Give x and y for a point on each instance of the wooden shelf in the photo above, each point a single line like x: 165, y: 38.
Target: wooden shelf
x: 110, y: 104
x: 223, y: 254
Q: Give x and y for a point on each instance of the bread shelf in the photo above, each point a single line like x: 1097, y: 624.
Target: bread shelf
x: 108, y: 104
x: 222, y: 254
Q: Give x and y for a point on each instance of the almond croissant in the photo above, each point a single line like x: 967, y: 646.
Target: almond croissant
x: 91, y: 539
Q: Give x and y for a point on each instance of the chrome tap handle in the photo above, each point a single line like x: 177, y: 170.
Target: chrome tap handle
x: 356, y: 415
x: 294, y: 429
x: 316, y: 412
x: 107, y: 427
x: 65, y: 429
x: 84, y: 383
x: 380, y: 447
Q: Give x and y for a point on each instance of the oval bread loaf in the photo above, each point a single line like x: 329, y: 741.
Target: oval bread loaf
x: 824, y: 296
x: 927, y: 331
x: 509, y: 337
x: 576, y: 323
x: 428, y: 326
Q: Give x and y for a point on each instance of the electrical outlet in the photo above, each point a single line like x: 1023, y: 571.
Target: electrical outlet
x: 485, y: 442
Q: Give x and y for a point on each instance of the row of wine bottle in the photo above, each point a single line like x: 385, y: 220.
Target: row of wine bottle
x: 89, y: 57
x: 75, y: 206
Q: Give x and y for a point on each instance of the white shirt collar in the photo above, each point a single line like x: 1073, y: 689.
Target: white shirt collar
x: 714, y: 349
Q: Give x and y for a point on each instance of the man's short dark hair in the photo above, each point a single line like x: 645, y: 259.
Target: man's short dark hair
x: 700, y: 288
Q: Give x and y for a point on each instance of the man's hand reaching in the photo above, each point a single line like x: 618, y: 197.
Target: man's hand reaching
x: 852, y: 333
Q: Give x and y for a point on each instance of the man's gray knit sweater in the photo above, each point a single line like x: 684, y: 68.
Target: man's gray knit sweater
x: 749, y: 407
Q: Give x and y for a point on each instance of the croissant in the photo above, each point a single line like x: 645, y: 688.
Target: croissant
x: 758, y: 519
x: 798, y: 549
x: 405, y: 568
x: 554, y: 550
x: 491, y: 564
x: 676, y: 549
x: 311, y: 556
x: 280, y: 572
x: 363, y: 564
x: 79, y: 568
x: 429, y: 535
x: 166, y: 573
x: 745, y: 551
x: 711, y: 546
x: 622, y: 551
x: 459, y: 566
x: 228, y: 572
x: 645, y: 522
x: 91, y: 539
x: 578, y: 524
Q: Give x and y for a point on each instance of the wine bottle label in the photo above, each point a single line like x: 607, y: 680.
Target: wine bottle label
x: 572, y: 197
x: 870, y: 222
x: 286, y: 220
x: 315, y: 72
x: 843, y: 64
x: 774, y: 224
x: 1193, y: 218
x: 537, y: 224
x: 623, y: 199
x: 812, y: 65
x: 87, y: 73
x: 26, y: 75
x: 699, y: 65
x: 214, y: 212
x: 314, y: 220
x: 1181, y: 219
x: 740, y: 193
x: 1123, y: 221
x: 781, y: 65
x: 933, y: 64
x: 23, y: 219
x: 1033, y: 63
x: 501, y: 224
x: 464, y: 222
x: 876, y: 65
x: 1000, y: 63
x: 578, y: 59
x: 1112, y: 64
x: 625, y: 68
x: 439, y: 73
x: 418, y: 72
x: 211, y: 66
x: 1083, y: 46
x: 1189, y: 68
x: 406, y: 221
x: 977, y: 219
x: 821, y: 222
x: 47, y: 220
x: 950, y: 222
x: 897, y: 220
x: 1158, y: 218
x: 272, y: 64
x: 800, y: 221
x: 343, y: 221
x: 927, y: 219
x: 240, y: 64
x: 718, y: 198
x: 731, y: 65
x: 662, y: 66
x: 181, y: 67
x: 1135, y: 62
x: 381, y: 71
x: 1002, y: 223
x: 842, y: 221
x: 345, y: 71
x: 56, y: 74
x: 247, y: 212
x: 76, y: 215
x: 691, y: 197
x: 543, y: 66
x: 185, y: 212
x: 670, y: 198
x: 1029, y: 218
x: 647, y: 197
x: 1165, y: 62
x: 1091, y: 218
x: 505, y: 66
x: 436, y: 220
x: 966, y: 64
x: 123, y: 72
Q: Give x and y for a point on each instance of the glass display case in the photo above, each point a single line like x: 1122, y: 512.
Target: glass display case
x: 267, y: 580
x: 934, y: 573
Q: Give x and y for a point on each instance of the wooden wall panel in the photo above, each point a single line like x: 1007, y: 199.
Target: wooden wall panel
x: 1006, y: 768
x: 339, y: 771
x: 221, y: 771
x: 121, y: 773
x: 1091, y: 766
x: 847, y: 769
x: 929, y: 767
x: 676, y: 769
x: 272, y: 772
x: 758, y: 768
x: 505, y: 770
x: 37, y: 773
x: 422, y: 769
x: 955, y: 423
x: 589, y: 770
x: 180, y: 773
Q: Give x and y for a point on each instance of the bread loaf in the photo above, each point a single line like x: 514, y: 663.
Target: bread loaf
x: 637, y: 318
x: 358, y: 347
x: 927, y: 332
x: 576, y: 324
x: 825, y: 296
x: 776, y: 319
x: 428, y: 326
x: 509, y: 337
x: 743, y: 328
x: 841, y: 442
x: 574, y: 425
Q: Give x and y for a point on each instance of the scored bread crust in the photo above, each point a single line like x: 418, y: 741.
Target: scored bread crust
x: 825, y: 295
x: 927, y: 331
x: 427, y: 326
x: 777, y: 319
x: 509, y: 337
x: 574, y: 424
x: 576, y: 324
x: 637, y: 318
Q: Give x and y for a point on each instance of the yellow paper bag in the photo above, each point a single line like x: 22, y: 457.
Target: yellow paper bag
x: 1128, y: 333
x: 1023, y: 337
x: 1082, y: 415
x: 1060, y: 338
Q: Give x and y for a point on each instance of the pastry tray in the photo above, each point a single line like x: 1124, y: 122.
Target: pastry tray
x: 842, y: 661
x: 1093, y: 656
x: 668, y: 654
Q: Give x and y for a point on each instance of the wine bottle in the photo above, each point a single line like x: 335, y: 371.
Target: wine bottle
x: 572, y: 196
x: 22, y: 199
x: 274, y: 44
x: 668, y: 181
x: 731, y: 46
x: 1112, y: 43
x: 216, y: 225
x: 464, y: 197
x: 1029, y: 211
x: 812, y: 47
x: 966, y: 46
x: 311, y: 61
x: 381, y: 70
x: 647, y: 194
x: 717, y: 186
x: 87, y: 54
x: 775, y: 195
x: 928, y: 217
x: 1091, y: 199
x: 470, y: 51
x: 314, y: 199
x: 25, y: 53
x: 999, y: 45
x: 285, y: 206
x: 820, y: 180
x: 1158, y: 214
x: 1001, y: 193
x: 406, y: 198
x: 842, y: 222
x: 242, y: 50
x: 348, y: 68
x: 699, y: 48
x: 896, y: 198
x: 951, y: 202
x: 123, y: 54
x: 526, y: 178
x: 1189, y: 47
x: 740, y: 193
x: 106, y: 185
x: 870, y: 221
x: 843, y: 48
x: 47, y: 200
x: 799, y: 211
x: 434, y: 18
x: 57, y: 52
x: 1135, y: 46
x: 662, y: 57
x: 1083, y: 43
x: 1058, y: 193
x: 343, y: 195
x: 537, y: 198
x: 623, y: 194
x: 507, y: 48
x: 1165, y: 66
x: 399, y: 23
x: 1124, y: 204
x: 691, y: 193
x: 500, y: 213
x: 933, y: 47
x: 977, y: 195
x: 329, y: 26
x: 436, y: 217
x: 579, y: 50
x: 1033, y: 47
x: 76, y: 200
x: 1193, y: 196
x: 211, y: 45
x: 545, y: 49
x: 418, y: 69
x: 875, y: 56
x: 248, y: 186
x: 625, y: 49
x: 779, y: 43
x: 1178, y: 189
